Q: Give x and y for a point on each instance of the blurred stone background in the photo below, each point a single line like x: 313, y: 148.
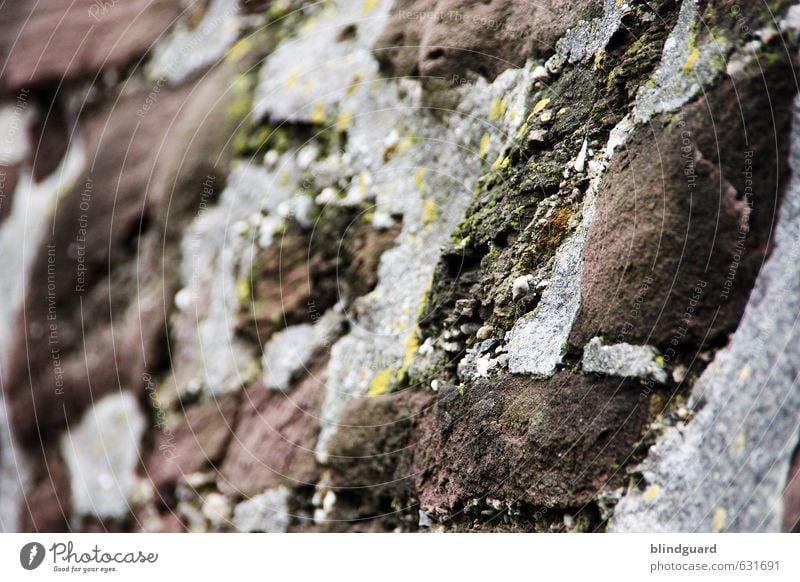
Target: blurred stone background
x: 422, y: 265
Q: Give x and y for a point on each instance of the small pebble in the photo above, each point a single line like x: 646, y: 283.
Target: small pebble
x: 271, y: 158
x: 484, y: 332
x: 580, y: 161
x: 469, y: 328
x: 488, y: 345
x: 539, y: 73
x: 520, y: 287
x: 537, y: 135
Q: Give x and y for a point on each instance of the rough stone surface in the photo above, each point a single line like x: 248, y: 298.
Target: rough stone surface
x: 47, y: 42
x: 47, y: 504
x: 197, y: 440
x: 713, y: 474
x: 102, y: 259
x: 274, y: 438
x: 410, y: 265
x: 448, y: 39
x: 14, y: 476
x: 525, y: 454
x: 678, y: 238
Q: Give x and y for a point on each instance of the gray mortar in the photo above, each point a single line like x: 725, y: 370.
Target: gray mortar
x: 624, y: 360
x: 102, y: 454
x: 588, y: 38
x: 186, y: 52
x: 267, y: 512
x: 289, y: 352
x: 218, y: 248
x: 685, y: 67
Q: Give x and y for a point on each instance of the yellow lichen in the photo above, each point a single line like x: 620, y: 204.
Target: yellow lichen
x: 406, y: 144
x: 292, y: 78
x: 598, y: 58
x: 354, y: 84
x: 381, y: 383
x: 500, y: 163
x: 363, y: 182
x: 741, y: 443
x: 486, y: 139
x: 318, y: 115
x: 497, y: 109
x: 412, y: 347
x: 430, y: 212
x: 540, y: 106
x: 239, y: 50
x: 243, y: 290
x: 745, y: 373
x: 343, y: 121
x: 651, y: 493
x: 719, y: 520
x: 419, y: 179
x: 691, y: 61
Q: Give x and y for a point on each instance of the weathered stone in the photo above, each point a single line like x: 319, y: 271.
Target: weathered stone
x: 14, y: 475
x: 557, y: 442
x: 372, y: 452
x: 678, y: 238
x: 59, y: 40
x: 274, y: 438
x: 47, y: 504
x: 301, y: 275
x: 726, y: 470
x: 196, y: 441
x: 791, y: 497
x: 104, y: 259
x: 448, y: 39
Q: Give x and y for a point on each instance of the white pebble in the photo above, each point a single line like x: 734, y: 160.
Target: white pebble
x: 539, y: 73
x: 580, y: 161
x: 520, y: 287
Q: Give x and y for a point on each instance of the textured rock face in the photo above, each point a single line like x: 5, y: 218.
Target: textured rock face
x: 701, y: 228
x: 61, y: 40
x: 366, y: 265
x: 445, y: 39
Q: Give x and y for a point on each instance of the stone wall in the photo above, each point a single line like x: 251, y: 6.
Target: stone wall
x: 422, y: 265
